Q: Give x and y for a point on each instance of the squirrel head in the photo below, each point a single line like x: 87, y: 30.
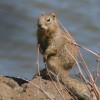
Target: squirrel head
x: 47, y: 22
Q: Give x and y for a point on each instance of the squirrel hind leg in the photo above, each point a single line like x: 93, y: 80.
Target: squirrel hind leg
x: 55, y: 68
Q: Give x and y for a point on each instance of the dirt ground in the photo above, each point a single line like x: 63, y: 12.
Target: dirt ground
x: 39, y: 88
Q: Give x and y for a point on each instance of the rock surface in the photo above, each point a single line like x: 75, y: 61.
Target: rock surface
x: 39, y: 88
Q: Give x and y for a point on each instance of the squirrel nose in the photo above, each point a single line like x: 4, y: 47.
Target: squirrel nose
x: 40, y: 26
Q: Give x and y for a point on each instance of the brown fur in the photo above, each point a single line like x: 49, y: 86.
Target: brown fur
x: 53, y: 43
x: 54, y: 46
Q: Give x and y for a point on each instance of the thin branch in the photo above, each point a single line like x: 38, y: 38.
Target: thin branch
x: 77, y: 65
x: 97, y: 69
x: 37, y: 62
x: 76, y: 43
x: 91, y: 78
x: 37, y: 87
x: 53, y: 82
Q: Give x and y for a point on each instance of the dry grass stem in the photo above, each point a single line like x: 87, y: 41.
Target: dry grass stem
x: 37, y: 62
x: 92, y: 81
x: 89, y: 81
x: 57, y: 79
x: 37, y: 87
x: 77, y: 43
x: 53, y: 81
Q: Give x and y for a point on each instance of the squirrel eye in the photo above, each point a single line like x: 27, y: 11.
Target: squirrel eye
x: 48, y: 20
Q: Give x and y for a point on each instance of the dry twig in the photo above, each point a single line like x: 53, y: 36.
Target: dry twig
x: 91, y: 81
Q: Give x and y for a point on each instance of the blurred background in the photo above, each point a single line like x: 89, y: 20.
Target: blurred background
x: 18, y: 24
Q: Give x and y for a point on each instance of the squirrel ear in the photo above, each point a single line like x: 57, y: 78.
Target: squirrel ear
x: 53, y: 14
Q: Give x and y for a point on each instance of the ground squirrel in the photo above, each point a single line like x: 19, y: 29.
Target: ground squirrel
x: 53, y: 43
x: 55, y: 48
